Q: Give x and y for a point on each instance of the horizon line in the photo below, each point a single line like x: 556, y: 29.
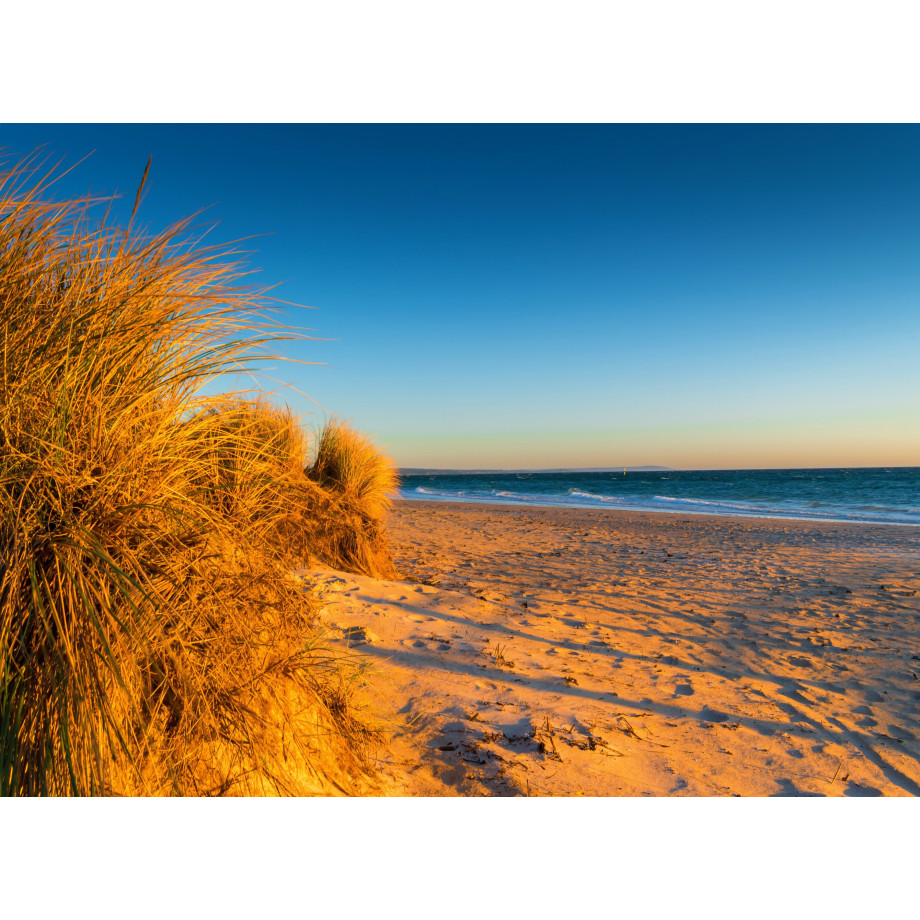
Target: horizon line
x: 649, y: 468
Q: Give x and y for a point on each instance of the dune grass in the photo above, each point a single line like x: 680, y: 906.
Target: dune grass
x: 151, y: 639
x: 360, y: 480
x: 346, y: 462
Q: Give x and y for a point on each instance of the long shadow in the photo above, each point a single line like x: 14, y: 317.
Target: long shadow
x: 715, y: 627
x: 735, y: 673
x: 416, y: 660
x: 766, y: 727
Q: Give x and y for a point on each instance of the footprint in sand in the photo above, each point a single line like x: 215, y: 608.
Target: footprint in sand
x: 856, y: 789
x: 712, y: 715
x: 359, y: 635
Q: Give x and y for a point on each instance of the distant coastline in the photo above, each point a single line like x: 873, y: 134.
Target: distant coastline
x: 424, y: 471
x: 445, y: 471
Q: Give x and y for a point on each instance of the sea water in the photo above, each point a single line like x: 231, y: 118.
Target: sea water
x: 871, y: 496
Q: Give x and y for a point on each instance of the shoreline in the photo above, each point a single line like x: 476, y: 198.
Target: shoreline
x: 563, y: 651
x: 663, y: 512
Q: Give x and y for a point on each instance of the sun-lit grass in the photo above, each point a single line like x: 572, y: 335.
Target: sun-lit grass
x: 362, y: 480
x: 151, y: 640
x: 346, y: 462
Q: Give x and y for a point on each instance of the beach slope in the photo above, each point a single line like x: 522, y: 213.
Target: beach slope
x: 565, y: 652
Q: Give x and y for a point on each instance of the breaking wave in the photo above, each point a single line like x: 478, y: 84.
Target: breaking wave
x: 783, y: 494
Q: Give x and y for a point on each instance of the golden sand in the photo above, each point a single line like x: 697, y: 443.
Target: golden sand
x: 565, y: 652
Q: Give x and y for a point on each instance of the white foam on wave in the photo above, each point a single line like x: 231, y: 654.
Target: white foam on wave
x: 734, y: 506
x: 594, y: 497
x: 578, y: 498
x: 460, y: 495
x: 808, y: 511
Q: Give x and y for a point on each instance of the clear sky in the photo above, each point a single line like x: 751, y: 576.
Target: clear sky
x: 568, y: 296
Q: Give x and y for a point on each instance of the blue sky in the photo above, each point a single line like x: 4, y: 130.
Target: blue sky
x: 532, y: 296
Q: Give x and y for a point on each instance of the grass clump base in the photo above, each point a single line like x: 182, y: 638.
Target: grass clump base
x: 151, y: 639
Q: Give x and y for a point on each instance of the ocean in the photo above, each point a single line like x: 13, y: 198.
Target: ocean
x: 870, y: 496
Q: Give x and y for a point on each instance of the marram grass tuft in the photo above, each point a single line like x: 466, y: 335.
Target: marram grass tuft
x: 151, y: 639
x: 349, y: 464
x: 360, y: 479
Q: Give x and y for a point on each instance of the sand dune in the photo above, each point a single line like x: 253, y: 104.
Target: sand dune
x: 566, y: 652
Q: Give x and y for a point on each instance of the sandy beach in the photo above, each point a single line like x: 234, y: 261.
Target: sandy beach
x: 549, y: 651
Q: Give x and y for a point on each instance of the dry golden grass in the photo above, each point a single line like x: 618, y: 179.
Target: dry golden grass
x: 360, y: 479
x: 151, y: 640
x: 347, y: 463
